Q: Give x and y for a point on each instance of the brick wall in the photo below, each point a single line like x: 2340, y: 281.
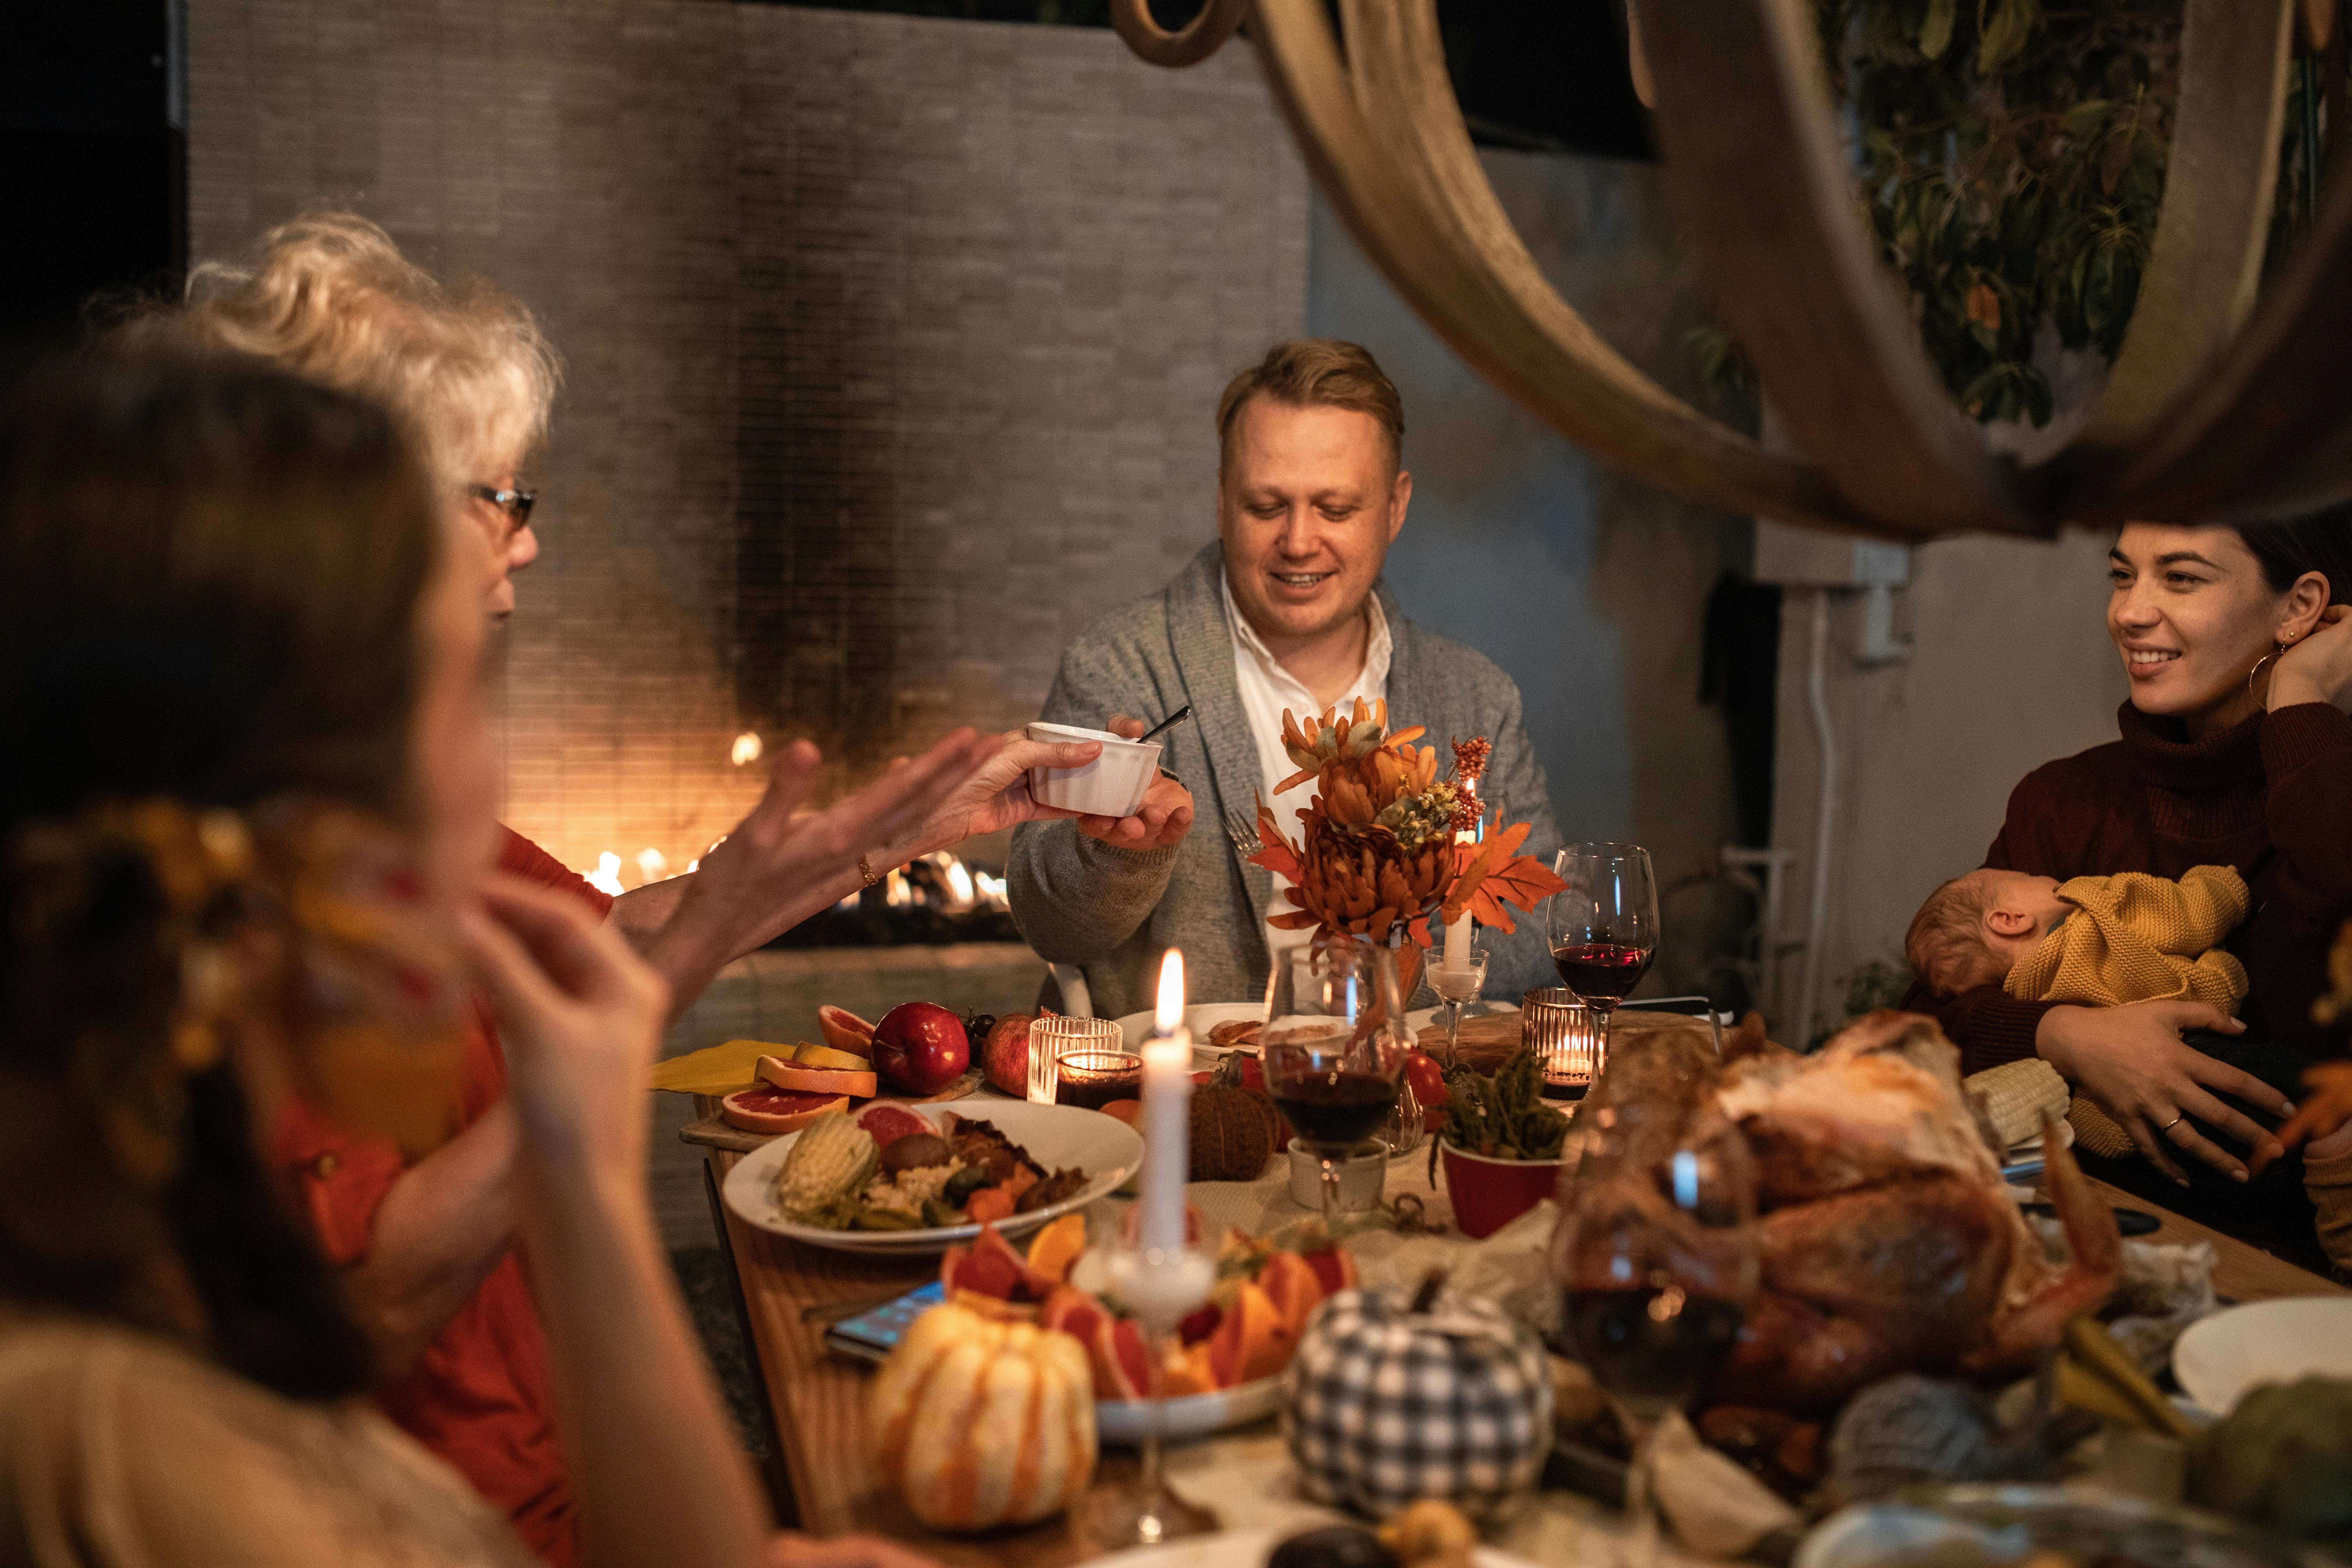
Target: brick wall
x: 892, y: 344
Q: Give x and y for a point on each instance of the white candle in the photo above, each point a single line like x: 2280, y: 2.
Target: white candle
x: 1457, y: 934
x: 1167, y: 1116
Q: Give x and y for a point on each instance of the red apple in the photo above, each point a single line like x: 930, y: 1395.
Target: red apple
x: 1005, y: 1054
x: 920, y: 1048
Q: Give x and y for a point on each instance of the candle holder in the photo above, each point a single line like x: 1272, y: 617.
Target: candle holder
x: 1087, y: 1074
x: 1054, y: 1033
x: 1566, y: 1039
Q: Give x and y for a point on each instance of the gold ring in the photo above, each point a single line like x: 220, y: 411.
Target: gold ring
x: 866, y: 873
x: 2171, y: 1124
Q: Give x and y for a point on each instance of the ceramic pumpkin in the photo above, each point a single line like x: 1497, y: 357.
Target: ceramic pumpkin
x: 978, y: 1422
x: 1387, y: 1406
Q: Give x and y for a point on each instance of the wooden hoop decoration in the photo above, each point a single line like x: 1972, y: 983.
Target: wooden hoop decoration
x: 2211, y: 233
x: 1199, y: 38
x: 1417, y: 204
x: 1767, y: 194
x: 2269, y: 432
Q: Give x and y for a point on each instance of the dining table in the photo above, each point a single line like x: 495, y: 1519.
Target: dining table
x: 789, y: 1290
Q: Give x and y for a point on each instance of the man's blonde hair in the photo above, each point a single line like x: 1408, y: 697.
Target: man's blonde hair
x: 1311, y: 373
x: 329, y: 296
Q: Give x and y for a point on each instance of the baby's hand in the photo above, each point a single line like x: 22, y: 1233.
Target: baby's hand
x: 2323, y: 1113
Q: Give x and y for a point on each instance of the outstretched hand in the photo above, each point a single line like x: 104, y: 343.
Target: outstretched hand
x: 2326, y: 1117
x: 1163, y: 818
x: 2133, y: 1062
x: 753, y: 884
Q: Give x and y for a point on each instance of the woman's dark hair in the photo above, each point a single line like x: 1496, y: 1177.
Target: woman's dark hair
x: 2319, y: 542
x: 209, y: 580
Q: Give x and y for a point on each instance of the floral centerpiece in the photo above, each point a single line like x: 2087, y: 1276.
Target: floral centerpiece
x: 1378, y: 858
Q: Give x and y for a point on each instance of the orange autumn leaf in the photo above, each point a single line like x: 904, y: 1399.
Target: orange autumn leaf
x: 1494, y: 875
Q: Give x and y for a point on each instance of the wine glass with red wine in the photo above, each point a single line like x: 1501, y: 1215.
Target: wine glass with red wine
x: 1335, y: 1046
x: 1603, y: 924
x: 1655, y: 1255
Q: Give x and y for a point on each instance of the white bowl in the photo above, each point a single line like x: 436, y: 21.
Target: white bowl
x: 1361, y: 1178
x: 2220, y: 1357
x: 1113, y: 784
x: 1191, y: 1415
x: 1104, y: 1147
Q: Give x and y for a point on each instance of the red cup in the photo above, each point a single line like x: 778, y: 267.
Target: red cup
x: 1489, y: 1193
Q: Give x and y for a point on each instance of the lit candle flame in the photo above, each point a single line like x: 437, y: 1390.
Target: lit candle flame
x: 1170, y: 1014
x: 747, y: 748
x: 653, y: 866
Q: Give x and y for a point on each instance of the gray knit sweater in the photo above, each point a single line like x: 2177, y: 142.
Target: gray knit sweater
x: 1113, y: 911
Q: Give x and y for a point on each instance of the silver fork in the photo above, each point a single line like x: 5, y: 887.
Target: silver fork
x: 1242, y: 828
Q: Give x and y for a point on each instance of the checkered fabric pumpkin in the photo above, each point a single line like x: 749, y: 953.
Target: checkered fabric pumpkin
x: 1387, y: 1406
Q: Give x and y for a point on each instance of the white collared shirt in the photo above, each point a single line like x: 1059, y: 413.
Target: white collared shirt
x: 1266, y: 689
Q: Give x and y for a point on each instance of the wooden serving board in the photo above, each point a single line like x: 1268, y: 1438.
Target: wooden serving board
x: 713, y: 1131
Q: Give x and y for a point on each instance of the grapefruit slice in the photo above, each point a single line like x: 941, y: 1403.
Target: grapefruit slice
x: 1122, y: 1364
x: 845, y: 1031
x: 808, y: 1055
x: 887, y: 1122
x: 816, y: 1080
x: 763, y: 1108
x: 1333, y: 1267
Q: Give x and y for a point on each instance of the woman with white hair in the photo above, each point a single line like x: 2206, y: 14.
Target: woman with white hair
x: 427, y: 1246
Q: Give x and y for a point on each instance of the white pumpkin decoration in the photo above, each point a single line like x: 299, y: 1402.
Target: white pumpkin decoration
x: 1387, y: 1406
x: 977, y: 1422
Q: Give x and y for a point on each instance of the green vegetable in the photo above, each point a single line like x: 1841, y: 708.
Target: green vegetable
x: 963, y: 1183
x: 2282, y: 1458
x: 1504, y: 1117
x: 868, y: 1217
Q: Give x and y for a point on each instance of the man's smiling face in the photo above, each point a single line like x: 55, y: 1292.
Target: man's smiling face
x: 1308, y: 501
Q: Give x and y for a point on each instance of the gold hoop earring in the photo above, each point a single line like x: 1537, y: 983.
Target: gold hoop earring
x: 2276, y: 650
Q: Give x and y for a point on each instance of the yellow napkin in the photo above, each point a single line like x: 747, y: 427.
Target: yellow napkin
x: 721, y: 1070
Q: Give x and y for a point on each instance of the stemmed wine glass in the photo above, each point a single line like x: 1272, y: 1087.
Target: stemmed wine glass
x: 1603, y: 924
x: 1159, y: 1290
x: 1335, y: 1046
x: 1656, y: 1257
x: 1455, y: 985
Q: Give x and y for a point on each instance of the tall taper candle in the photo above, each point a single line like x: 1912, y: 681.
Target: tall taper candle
x: 1167, y: 1115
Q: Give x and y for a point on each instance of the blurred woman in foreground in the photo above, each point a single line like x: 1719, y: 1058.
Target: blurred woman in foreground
x: 246, y: 810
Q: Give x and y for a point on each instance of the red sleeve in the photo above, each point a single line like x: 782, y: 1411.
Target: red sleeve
x: 341, y: 1176
x: 518, y: 856
x: 2307, y: 767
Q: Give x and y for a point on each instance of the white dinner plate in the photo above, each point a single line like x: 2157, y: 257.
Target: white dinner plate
x: 2219, y: 1358
x: 1191, y: 1415
x: 1247, y: 1549
x: 1203, y: 1016
x: 1057, y: 1136
x: 1200, y: 1018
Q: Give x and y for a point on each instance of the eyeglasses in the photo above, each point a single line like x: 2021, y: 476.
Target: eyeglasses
x: 515, y: 504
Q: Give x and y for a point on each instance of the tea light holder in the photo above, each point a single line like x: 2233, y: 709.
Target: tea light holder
x: 1566, y: 1037
x: 1052, y: 1037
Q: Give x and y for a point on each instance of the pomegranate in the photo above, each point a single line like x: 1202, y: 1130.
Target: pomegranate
x: 1005, y: 1054
x: 920, y: 1048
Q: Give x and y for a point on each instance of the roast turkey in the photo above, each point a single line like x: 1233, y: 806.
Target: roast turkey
x: 1888, y: 1240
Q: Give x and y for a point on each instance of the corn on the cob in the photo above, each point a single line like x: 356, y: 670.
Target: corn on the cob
x: 2015, y: 1095
x: 832, y: 1159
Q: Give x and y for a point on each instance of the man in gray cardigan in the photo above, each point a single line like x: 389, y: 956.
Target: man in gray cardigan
x: 1286, y: 609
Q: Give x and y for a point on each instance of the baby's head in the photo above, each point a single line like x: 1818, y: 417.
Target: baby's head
x: 1973, y: 930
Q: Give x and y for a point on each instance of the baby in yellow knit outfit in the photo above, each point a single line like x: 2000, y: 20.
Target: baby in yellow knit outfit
x: 2098, y: 941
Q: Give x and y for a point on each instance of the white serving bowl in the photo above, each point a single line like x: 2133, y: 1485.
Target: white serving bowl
x: 1362, y: 1176
x: 1113, y: 784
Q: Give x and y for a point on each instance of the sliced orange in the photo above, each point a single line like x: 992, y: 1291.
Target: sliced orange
x: 1251, y: 1342
x: 1189, y: 1372
x: 1056, y: 1248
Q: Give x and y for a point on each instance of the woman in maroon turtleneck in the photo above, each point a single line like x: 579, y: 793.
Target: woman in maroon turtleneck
x: 2236, y: 750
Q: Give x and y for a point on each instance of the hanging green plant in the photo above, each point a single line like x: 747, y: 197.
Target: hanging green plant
x: 2011, y: 161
